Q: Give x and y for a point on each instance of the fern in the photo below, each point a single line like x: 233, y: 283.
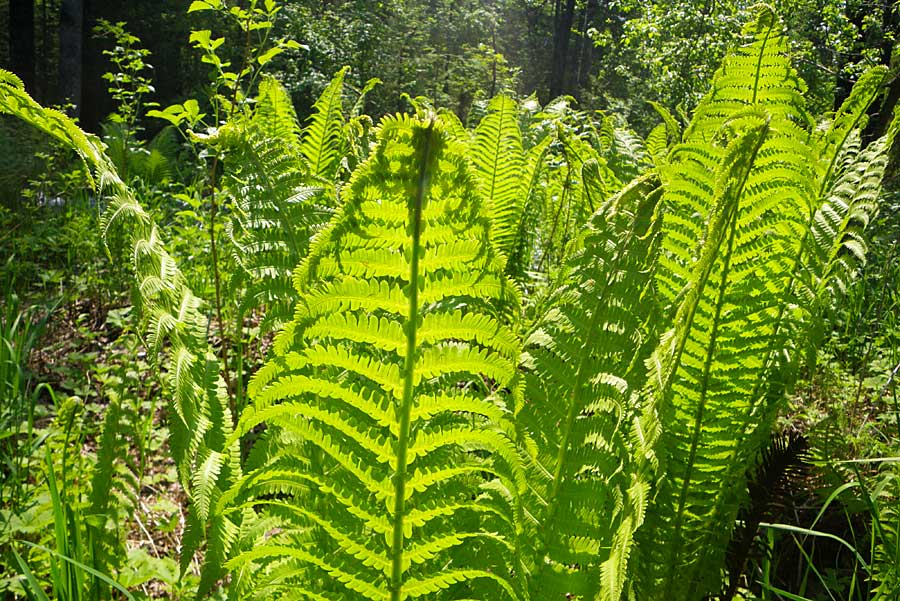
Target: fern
x: 500, y: 166
x: 277, y: 208
x: 389, y: 397
x: 323, y: 143
x: 199, y: 418
x: 885, y: 505
x: 723, y: 375
x: 585, y: 365
x: 849, y: 183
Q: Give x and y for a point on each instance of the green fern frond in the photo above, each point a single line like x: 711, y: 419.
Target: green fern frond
x: 742, y: 184
x: 201, y: 422
x: 885, y: 500
x: 851, y: 117
x: 500, y: 164
x: 323, y: 143
x: 523, y: 254
x: 277, y: 210
x: 275, y: 116
x: 394, y: 381
x: 663, y: 137
x: 837, y: 241
x: 703, y: 400
x: 758, y: 73
x: 585, y: 365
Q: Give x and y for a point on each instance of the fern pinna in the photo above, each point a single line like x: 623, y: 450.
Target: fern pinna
x: 387, y: 469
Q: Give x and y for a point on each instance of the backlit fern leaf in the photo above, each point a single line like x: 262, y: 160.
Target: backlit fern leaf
x: 500, y: 167
x: 741, y: 183
x: 704, y: 399
x: 323, y: 142
x: 849, y: 183
x: 756, y: 73
x: 277, y: 208
x: 585, y: 365
x: 885, y: 500
x: 394, y: 381
x: 523, y: 253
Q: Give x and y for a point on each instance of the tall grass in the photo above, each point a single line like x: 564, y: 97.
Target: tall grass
x: 21, y: 329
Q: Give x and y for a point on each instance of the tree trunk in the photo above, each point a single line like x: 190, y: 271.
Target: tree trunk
x: 71, y: 20
x: 561, y: 35
x: 880, y: 113
x: 585, y: 45
x: 21, y: 40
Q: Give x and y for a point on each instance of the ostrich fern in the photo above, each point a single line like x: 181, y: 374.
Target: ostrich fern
x: 403, y: 442
x: 200, y: 419
x: 737, y: 309
x: 389, y: 397
x: 585, y: 366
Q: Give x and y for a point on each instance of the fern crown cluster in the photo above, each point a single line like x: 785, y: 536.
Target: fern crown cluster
x: 418, y: 430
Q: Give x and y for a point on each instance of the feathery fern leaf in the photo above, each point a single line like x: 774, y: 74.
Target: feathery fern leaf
x: 200, y: 420
x: 725, y: 319
x: 720, y: 375
x: 500, y: 164
x: 585, y: 364
x: 523, y: 253
x: 277, y: 210
x: 322, y: 139
x: 388, y: 400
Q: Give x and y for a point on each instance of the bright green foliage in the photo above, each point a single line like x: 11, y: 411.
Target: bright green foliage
x: 744, y: 183
x: 585, y: 366
x: 739, y: 184
x: 400, y: 366
x: 400, y: 443
x: 521, y: 254
x: 501, y: 168
x: 269, y: 182
x: 323, y: 142
x: 849, y: 182
x: 885, y: 501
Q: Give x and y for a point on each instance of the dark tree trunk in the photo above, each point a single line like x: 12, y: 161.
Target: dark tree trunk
x: 561, y: 35
x: 21, y: 40
x: 94, y: 98
x: 71, y: 21
x: 585, y: 46
x: 880, y: 113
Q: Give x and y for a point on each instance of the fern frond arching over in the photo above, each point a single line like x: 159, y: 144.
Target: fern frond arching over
x: 389, y: 399
x: 741, y: 183
x: 585, y: 366
x: 758, y: 73
x: 200, y: 420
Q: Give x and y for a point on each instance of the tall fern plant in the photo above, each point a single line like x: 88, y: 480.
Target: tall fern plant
x: 404, y: 442
x: 401, y: 480
x: 747, y: 183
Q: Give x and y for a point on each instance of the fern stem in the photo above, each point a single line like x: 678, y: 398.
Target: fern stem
x: 217, y: 280
x: 397, y: 567
x: 759, y: 60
